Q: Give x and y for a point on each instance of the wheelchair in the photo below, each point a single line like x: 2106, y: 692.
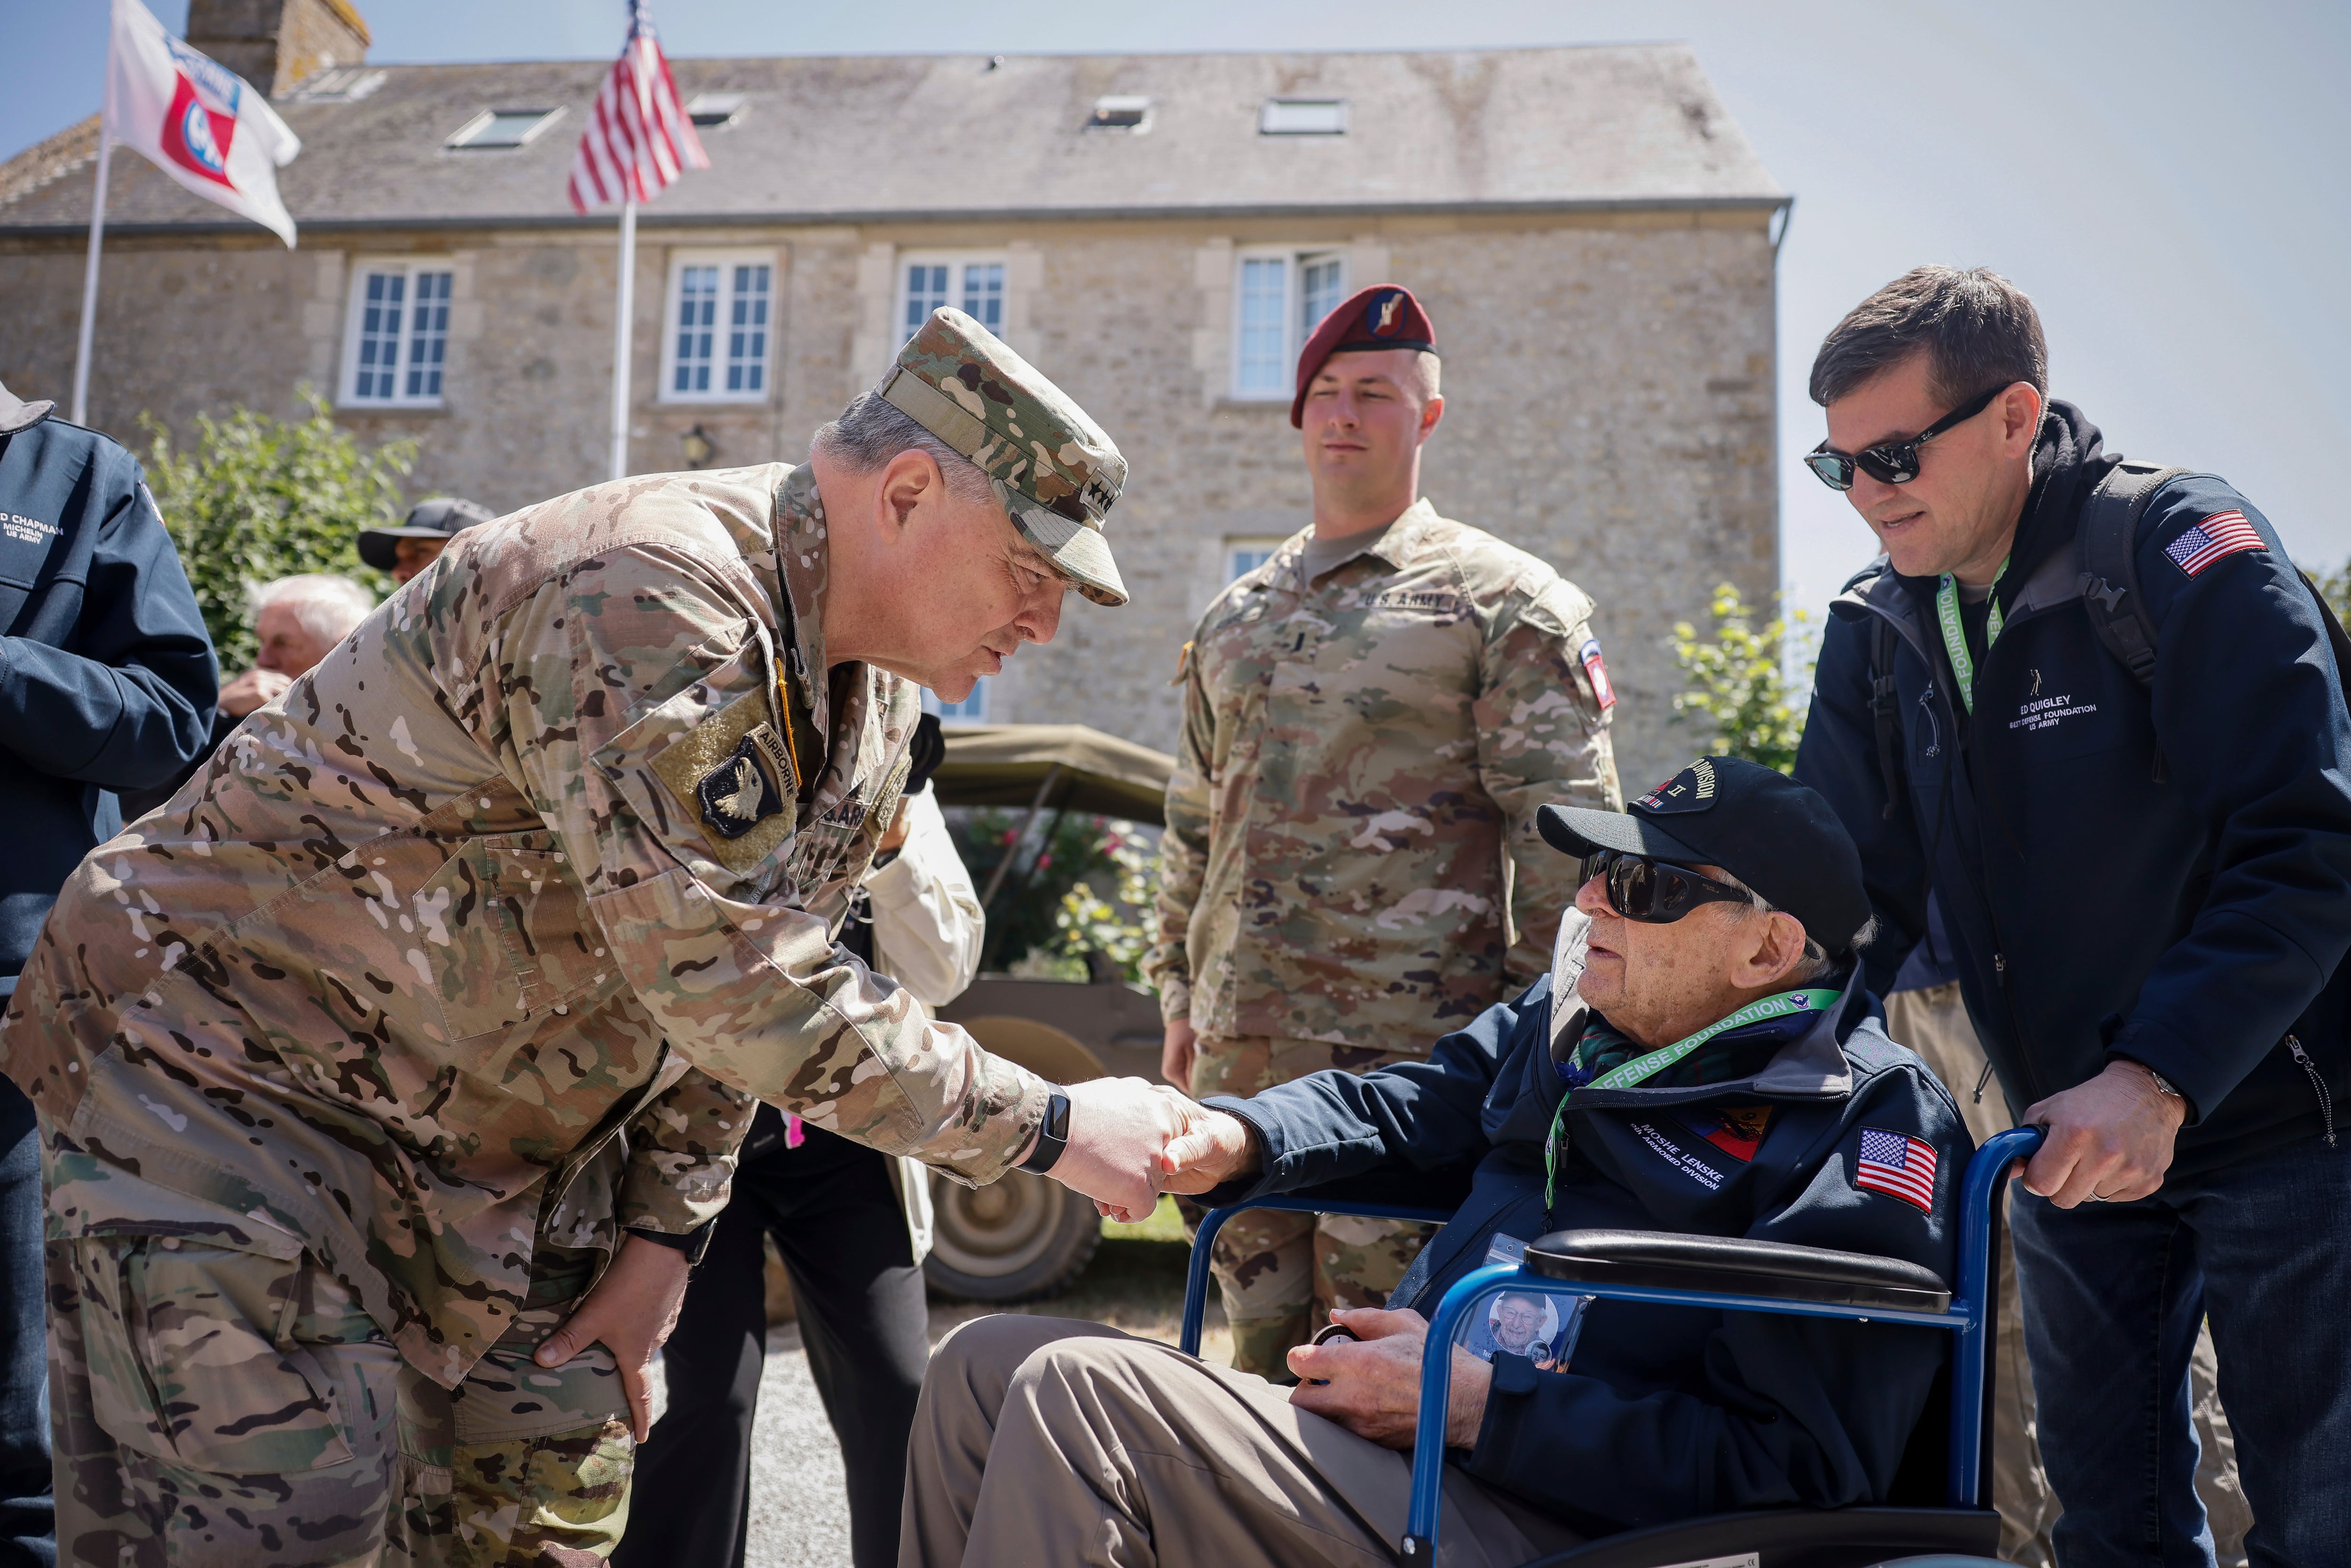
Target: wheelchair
x: 1739, y: 1275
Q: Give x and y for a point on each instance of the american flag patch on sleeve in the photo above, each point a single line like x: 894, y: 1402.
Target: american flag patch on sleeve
x: 2222, y: 534
x: 1897, y: 1165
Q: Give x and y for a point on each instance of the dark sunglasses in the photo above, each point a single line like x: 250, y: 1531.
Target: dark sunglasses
x: 1891, y: 462
x: 1653, y: 891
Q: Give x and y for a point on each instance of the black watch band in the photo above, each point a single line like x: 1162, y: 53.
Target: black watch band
x: 1052, y: 1135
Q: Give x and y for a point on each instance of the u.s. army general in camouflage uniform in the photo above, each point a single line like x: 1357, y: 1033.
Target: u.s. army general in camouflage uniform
x: 1350, y: 865
x: 354, y: 1061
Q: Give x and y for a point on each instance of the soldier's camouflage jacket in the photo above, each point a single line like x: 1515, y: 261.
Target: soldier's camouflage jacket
x: 1351, y: 851
x: 492, y: 927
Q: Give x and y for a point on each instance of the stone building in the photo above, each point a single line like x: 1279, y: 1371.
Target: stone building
x: 1592, y: 235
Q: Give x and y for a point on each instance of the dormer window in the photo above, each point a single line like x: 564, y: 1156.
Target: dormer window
x: 716, y: 111
x: 1303, y: 117
x: 1115, y: 113
x: 503, y: 129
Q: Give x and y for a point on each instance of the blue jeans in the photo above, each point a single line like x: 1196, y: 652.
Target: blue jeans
x: 2112, y: 1294
x: 27, y: 1522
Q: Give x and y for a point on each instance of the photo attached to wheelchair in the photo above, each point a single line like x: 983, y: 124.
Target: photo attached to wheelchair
x: 1541, y: 1325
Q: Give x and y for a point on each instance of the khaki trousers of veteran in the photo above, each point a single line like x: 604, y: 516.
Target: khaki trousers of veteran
x: 1280, y: 1273
x: 213, y: 1406
x: 1934, y: 1023
x: 1045, y: 1440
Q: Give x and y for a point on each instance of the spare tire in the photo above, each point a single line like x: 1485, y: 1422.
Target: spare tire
x: 1014, y: 1240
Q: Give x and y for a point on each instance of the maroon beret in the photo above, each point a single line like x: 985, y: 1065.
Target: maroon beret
x: 1385, y: 316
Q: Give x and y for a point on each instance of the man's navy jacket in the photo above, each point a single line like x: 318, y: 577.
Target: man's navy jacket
x: 2161, y: 876
x: 107, y: 679
x: 1664, y: 1413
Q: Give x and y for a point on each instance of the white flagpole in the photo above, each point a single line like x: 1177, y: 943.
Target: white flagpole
x: 619, y: 336
x: 89, y: 282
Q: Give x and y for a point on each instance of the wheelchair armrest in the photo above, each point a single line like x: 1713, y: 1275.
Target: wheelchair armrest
x: 1667, y: 1259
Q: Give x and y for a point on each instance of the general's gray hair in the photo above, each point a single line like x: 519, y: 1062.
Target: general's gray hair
x: 1816, y: 960
x: 1979, y: 333
x: 871, y: 430
x: 326, y: 606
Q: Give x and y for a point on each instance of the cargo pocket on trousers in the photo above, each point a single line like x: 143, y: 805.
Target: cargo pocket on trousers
x: 191, y: 1363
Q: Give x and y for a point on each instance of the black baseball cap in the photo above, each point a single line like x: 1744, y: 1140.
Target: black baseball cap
x: 1774, y: 834
x: 436, y: 519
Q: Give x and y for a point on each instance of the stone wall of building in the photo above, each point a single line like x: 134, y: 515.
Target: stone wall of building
x: 1608, y: 382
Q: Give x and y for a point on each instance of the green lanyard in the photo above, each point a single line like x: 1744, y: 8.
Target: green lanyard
x: 1955, y: 637
x: 1626, y: 1074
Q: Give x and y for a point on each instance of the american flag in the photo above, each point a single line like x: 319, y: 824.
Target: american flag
x: 2225, y: 533
x: 1897, y: 1165
x: 639, y: 135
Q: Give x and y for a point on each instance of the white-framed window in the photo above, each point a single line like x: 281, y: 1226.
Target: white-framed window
x: 973, y: 710
x: 1303, y: 117
x: 1243, y: 556
x: 396, y: 343
x: 1280, y: 295
x: 974, y: 285
x: 718, y: 330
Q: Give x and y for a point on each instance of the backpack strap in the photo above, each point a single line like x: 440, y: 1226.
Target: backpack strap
x: 2108, y: 536
x: 1883, y: 708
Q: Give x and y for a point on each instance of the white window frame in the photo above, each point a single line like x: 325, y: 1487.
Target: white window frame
x: 1295, y: 260
x: 762, y: 365
x: 404, y: 341
x: 958, y: 263
x: 973, y: 710
x: 1261, y: 546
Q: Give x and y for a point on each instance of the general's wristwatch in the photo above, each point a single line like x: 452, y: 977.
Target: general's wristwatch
x: 1052, y: 1135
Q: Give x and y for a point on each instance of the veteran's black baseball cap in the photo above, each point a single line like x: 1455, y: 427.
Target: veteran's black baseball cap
x: 1774, y: 834
x: 436, y: 519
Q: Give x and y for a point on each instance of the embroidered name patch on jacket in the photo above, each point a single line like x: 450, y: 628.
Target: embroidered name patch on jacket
x: 1899, y: 1165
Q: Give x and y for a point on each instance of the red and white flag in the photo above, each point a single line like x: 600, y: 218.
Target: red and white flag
x: 195, y: 120
x: 639, y: 136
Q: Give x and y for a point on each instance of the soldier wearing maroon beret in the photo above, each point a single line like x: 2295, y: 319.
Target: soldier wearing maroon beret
x: 1382, y: 707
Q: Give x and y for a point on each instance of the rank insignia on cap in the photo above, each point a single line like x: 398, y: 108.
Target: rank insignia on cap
x: 1595, y: 669
x: 1691, y: 790
x: 739, y: 793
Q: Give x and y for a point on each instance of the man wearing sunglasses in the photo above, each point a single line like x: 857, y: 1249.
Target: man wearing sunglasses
x: 1701, y: 1059
x: 2148, y: 892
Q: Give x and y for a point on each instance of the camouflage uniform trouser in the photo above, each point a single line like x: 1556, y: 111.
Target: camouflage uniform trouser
x: 218, y: 1407
x: 1281, y: 1273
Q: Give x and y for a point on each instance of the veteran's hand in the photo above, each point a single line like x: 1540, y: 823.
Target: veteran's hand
x: 1371, y: 1385
x: 1216, y: 1147
x: 251, y: 690
x: 2109, y: 1139
x: 632, y: 1309
x: 1118, y: 1128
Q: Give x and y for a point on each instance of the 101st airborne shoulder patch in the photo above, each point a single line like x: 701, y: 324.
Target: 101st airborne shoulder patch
x: 734, y: 778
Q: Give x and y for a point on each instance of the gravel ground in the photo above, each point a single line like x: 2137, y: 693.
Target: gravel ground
x: 800, y: 1511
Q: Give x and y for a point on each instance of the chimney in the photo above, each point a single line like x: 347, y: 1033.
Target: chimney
x: 276, y: 44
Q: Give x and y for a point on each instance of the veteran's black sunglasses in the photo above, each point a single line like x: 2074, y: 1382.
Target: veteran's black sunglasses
x: 1893, y: 461
x: 1654, y: 892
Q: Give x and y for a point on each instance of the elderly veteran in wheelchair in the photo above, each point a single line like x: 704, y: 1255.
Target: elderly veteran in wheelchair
x: 1702, y: 1059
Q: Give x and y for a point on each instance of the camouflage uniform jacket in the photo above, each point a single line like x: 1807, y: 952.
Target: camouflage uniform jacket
x: 486, y: 934
x: 1351, y: 851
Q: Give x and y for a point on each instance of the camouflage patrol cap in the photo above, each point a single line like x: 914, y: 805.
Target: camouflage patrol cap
x: 1055, y: 472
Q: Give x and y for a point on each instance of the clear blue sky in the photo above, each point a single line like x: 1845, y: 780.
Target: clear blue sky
x: 2172, y: 181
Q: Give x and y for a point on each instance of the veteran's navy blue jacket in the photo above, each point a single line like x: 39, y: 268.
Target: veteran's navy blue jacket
x: 2164, y: 876
x: 107, y: 678
x: 1665, y: 1412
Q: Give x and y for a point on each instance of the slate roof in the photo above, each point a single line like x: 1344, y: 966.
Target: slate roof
x: 881, y: 138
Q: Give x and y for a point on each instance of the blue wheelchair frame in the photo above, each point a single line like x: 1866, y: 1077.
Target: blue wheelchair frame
x: 1966, y: 1316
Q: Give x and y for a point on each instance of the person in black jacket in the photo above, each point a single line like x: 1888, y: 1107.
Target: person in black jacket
x: 2148, y: 893
x: 1703, y: 1059
x: 107, y: 683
